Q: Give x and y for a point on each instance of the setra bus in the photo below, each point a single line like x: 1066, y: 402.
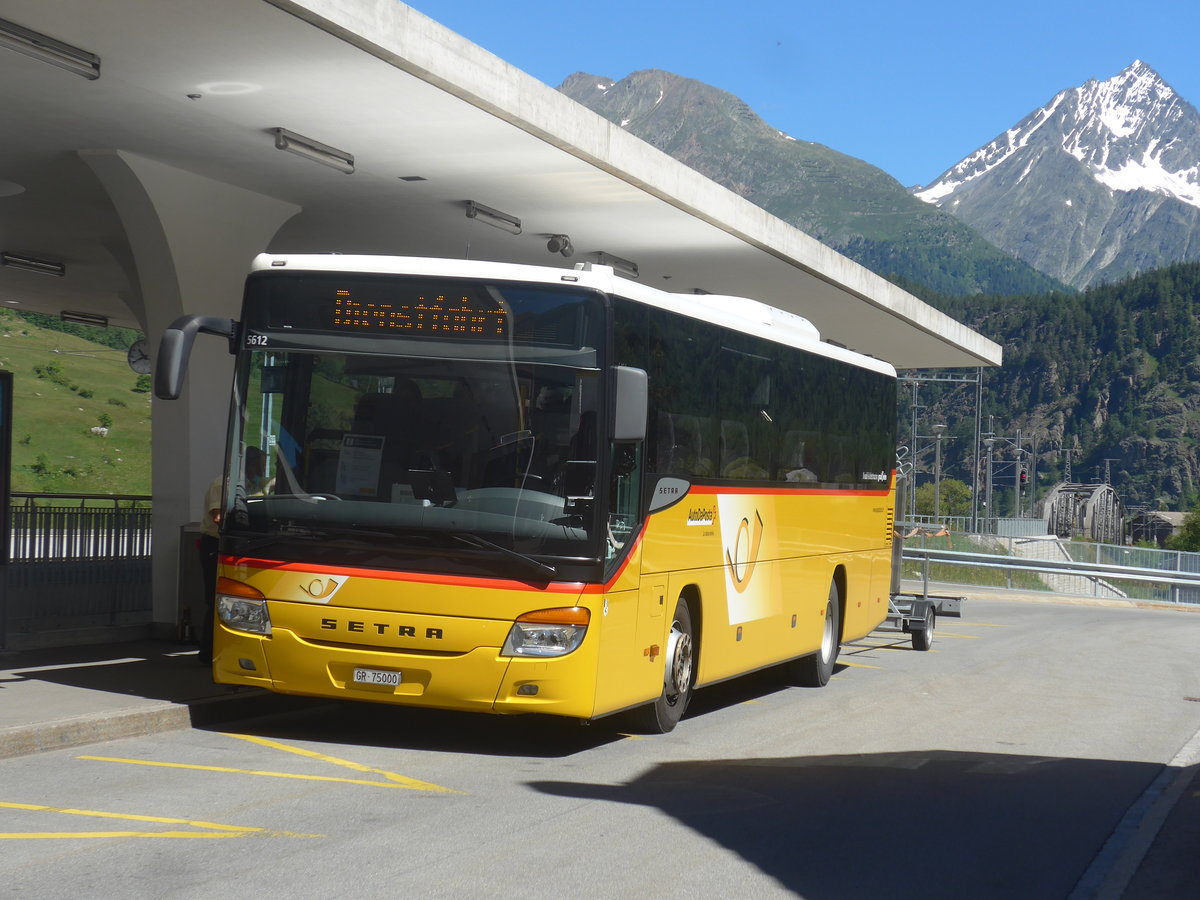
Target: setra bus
x: 516, y: 489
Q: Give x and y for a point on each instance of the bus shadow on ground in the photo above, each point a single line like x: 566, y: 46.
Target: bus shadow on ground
x: 910, y: 824
x: 398, y: 727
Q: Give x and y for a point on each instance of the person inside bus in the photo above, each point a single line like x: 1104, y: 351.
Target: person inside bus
x: 207, y: 546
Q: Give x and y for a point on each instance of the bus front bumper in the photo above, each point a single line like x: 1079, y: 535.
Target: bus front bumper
x: 480, y: 680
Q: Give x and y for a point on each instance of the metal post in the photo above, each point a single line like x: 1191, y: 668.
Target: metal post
x: 937, y: 473
x: 989, y: 443
x: 1017, y: 480
x: 912, y: 483
x: 1033, y: 478
x: 975, y: 467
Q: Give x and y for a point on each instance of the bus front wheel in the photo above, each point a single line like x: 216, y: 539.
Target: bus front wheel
x: 679, y: 675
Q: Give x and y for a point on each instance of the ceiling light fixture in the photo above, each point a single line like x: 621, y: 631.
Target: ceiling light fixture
x: 560, y: 243
x: 620, y: 266
x: 493, y: 217
x: 313, y: 150
x: 84, y: 318
x: 30, y: 264
x: 48, y: 50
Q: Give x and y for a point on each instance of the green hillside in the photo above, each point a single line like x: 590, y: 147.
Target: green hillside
x: 1111, y: 375
x: 64, y: 385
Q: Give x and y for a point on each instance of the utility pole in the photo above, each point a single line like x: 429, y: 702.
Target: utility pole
x: 955, y: 379
x: 1017, y: 479
x: 937, y: 473
x: 912, y: 436
x: 1108, y: 461
x: 989, y: 442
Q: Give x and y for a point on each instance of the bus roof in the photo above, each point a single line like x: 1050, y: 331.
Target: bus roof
x: 737, y: 313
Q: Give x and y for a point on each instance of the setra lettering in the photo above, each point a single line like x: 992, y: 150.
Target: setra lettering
x: 381, y: 628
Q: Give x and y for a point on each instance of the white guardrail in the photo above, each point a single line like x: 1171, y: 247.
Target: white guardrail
x: 1174, y: 580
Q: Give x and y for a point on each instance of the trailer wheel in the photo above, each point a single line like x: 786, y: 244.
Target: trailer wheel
x: 679, y: 674
x: 922, y: 635
x: 816, y: 670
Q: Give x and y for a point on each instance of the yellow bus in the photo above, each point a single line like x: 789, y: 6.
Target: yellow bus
x: 516, y: 489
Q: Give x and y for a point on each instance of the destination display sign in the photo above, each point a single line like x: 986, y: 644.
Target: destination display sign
x: 439, y: 315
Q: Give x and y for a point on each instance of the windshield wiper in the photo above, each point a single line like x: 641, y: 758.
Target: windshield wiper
x: 528, y: 562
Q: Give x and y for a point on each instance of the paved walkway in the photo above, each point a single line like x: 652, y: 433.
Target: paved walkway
x: 56, y: 698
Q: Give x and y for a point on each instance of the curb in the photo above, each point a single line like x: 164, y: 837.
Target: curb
x: 24, y: 740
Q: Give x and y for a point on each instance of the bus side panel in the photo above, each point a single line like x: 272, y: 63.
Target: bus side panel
x: 868, y: 584
x: 761, y: 564
x: 627, y: 672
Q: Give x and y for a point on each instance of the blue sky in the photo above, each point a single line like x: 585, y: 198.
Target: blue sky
x: 909, y: 87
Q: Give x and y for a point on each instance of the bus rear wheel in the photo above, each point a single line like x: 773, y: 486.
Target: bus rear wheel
x: 816, y: 670
x: 679, y: 675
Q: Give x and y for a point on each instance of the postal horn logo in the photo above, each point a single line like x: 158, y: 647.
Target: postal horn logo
x: 742, y: 557
x: 320, y: 588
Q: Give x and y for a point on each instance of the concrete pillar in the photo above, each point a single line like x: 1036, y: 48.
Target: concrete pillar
x: 192, y: 240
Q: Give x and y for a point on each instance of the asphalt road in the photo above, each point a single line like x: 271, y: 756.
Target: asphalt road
x: 1013, y: 760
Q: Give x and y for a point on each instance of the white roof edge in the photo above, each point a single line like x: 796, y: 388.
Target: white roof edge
x: 742, y: 314
x: 415, y: 43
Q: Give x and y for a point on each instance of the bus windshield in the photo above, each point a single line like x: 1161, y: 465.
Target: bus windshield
x: 422, y: 448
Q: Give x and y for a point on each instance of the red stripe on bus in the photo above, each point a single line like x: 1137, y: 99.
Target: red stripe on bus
x: 559, y: 587
x: 787, y: 492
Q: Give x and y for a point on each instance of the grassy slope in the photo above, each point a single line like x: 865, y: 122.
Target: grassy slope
x: 53, y: 448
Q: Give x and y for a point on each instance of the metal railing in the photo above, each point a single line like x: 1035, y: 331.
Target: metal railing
x: 77, y: 562
x: 1082, y: 569
x: 72, y: 527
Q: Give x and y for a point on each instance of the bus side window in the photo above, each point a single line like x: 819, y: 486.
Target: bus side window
x: 682, y: 448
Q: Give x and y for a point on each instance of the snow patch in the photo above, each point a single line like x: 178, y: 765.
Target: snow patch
x: 1148, y: 174
x: 987, y: 158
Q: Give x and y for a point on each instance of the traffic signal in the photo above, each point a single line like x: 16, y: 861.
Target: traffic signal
x: 1024, y: 477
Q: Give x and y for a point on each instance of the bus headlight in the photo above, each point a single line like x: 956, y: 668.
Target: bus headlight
x: 547, y: 632
x: 241, y: 607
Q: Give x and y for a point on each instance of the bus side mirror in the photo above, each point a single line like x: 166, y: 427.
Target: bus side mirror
x: 632, y: 400
x: 176, y: 347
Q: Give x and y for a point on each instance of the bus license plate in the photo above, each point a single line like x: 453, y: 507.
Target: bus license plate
x: 376, y: 676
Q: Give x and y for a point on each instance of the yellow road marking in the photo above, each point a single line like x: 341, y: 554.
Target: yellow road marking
x: 941, y: 634
x: 989, y: 625
x: 47, y: 835
x: 402, y: 780
x: 214, y: 829
x: 855, y: 665
x: 232, y: 771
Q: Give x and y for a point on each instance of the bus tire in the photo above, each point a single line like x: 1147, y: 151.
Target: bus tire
x: 922, y: 638
x: 679, y: 676
x: 816, y: 670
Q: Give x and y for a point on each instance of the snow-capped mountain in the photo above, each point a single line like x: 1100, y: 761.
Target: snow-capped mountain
x: 848, y: 204
x: 1102, y: 182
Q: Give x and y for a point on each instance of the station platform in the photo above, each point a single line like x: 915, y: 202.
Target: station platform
x: 52, y: 699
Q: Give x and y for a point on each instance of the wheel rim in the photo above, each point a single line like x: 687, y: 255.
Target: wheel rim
x: 827, y: 635
x: 679, y: 662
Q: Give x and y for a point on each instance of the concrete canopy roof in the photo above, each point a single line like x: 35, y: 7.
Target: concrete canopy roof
x: 197, y: 86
